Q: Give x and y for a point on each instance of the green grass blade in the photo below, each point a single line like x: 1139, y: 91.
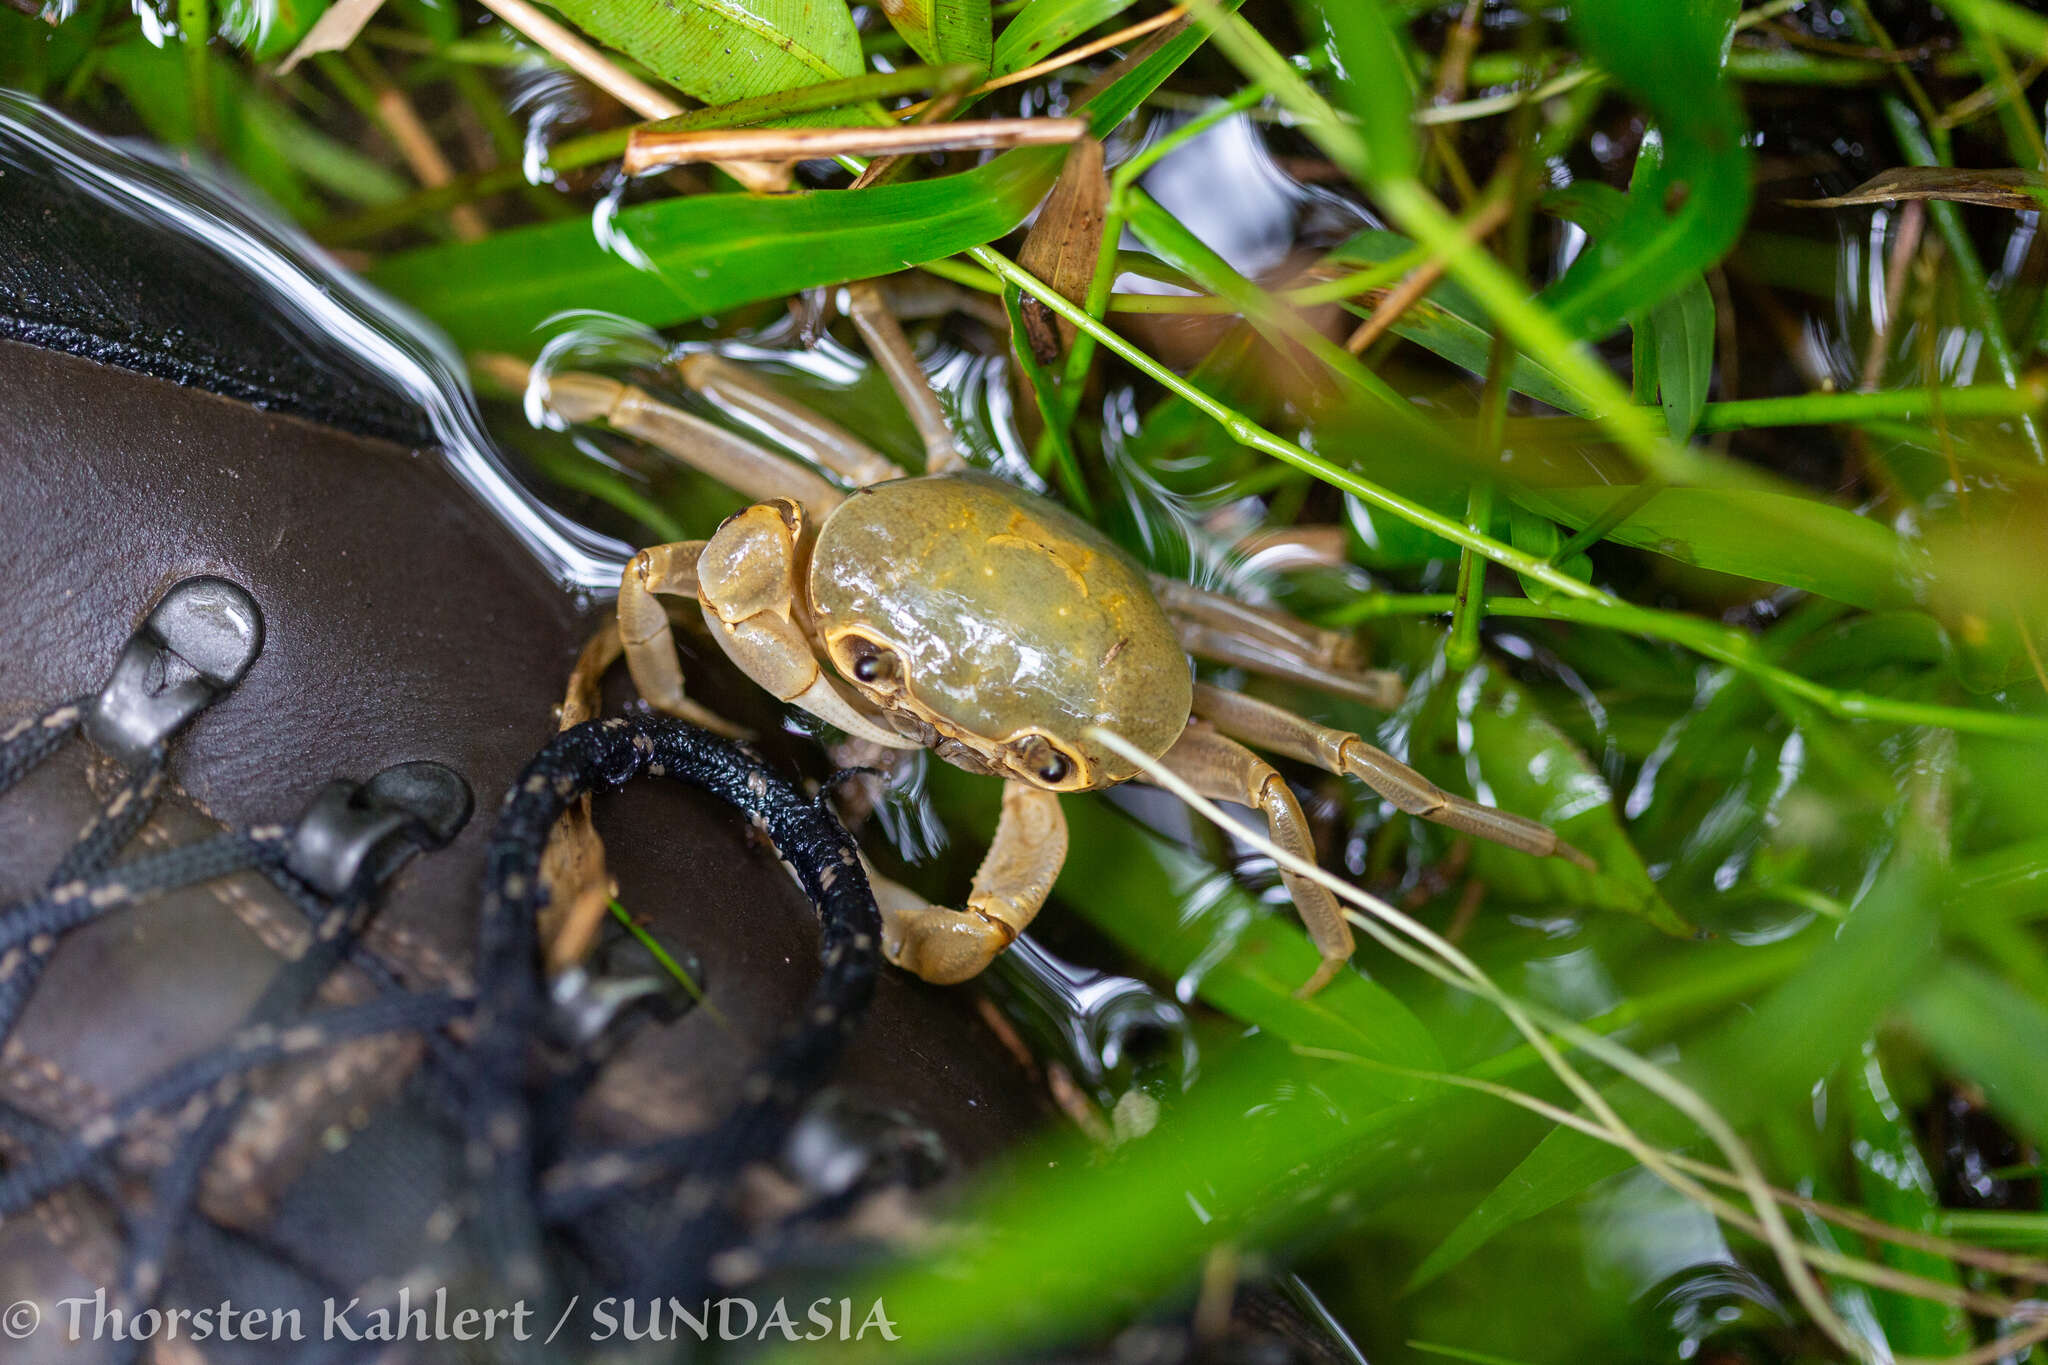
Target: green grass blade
x: 1737, y: 531
x: 1372, y: 76
x: 708, y: 253
x: 1043, y: 27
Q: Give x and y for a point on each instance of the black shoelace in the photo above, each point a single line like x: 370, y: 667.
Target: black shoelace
x: 498, y: 1078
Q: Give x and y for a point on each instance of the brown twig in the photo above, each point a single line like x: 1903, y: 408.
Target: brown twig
x: 1072, y: 55
x: 423, y: 155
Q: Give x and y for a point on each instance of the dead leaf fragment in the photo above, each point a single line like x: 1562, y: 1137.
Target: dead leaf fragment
x: 1063, y: 245
x: 1998, y: 189
x: 332, y: 31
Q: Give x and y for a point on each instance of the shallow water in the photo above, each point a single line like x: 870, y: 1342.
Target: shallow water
x: 333, y: 313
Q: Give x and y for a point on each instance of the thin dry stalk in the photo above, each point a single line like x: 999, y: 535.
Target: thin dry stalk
x: 1071, y: 55
x: 648, y: 150
x: 938, y: 109
x: 423, y: 156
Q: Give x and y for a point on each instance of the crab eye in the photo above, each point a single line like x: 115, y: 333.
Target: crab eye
x: 1051, y: 766
x: 872, y: 664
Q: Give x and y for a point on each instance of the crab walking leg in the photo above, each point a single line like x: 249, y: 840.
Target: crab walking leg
x: 747, y: 586
x: 947, y: 946
x: 892, y: 351
x: 645, y: 637
x: 1266, y: 640
x: 580, y: 699
x: 572, y: 865
x: 1266, y: 726
x: 786, y: 421
x: 731, y: 459
x: 1219, y: 767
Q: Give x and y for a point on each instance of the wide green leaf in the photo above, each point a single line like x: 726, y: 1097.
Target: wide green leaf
x: 725, y: 50
x: 706, y: 253
x: 944, y: 31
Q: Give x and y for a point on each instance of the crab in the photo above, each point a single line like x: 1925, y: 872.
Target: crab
x: 956, y: 612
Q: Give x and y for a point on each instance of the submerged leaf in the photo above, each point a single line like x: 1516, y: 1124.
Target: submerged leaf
x: 1894, y: 1184
x: 1495, y: 744
x: 2002, y: 189
x: 1769, y: 1056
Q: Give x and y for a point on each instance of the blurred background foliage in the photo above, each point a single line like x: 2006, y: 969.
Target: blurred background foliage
x: 1704, y: 521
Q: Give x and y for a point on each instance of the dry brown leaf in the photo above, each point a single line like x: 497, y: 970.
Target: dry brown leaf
x: 332, y: 31
x: 2000, y: 189
x: 1063, y: 245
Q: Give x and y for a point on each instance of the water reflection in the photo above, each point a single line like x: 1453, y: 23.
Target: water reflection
x: 1114, y: 1033
x: 332, y: 312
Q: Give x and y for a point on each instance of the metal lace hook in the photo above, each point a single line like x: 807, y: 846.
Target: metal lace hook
x: 358, y: 833
x: 195, y: 645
